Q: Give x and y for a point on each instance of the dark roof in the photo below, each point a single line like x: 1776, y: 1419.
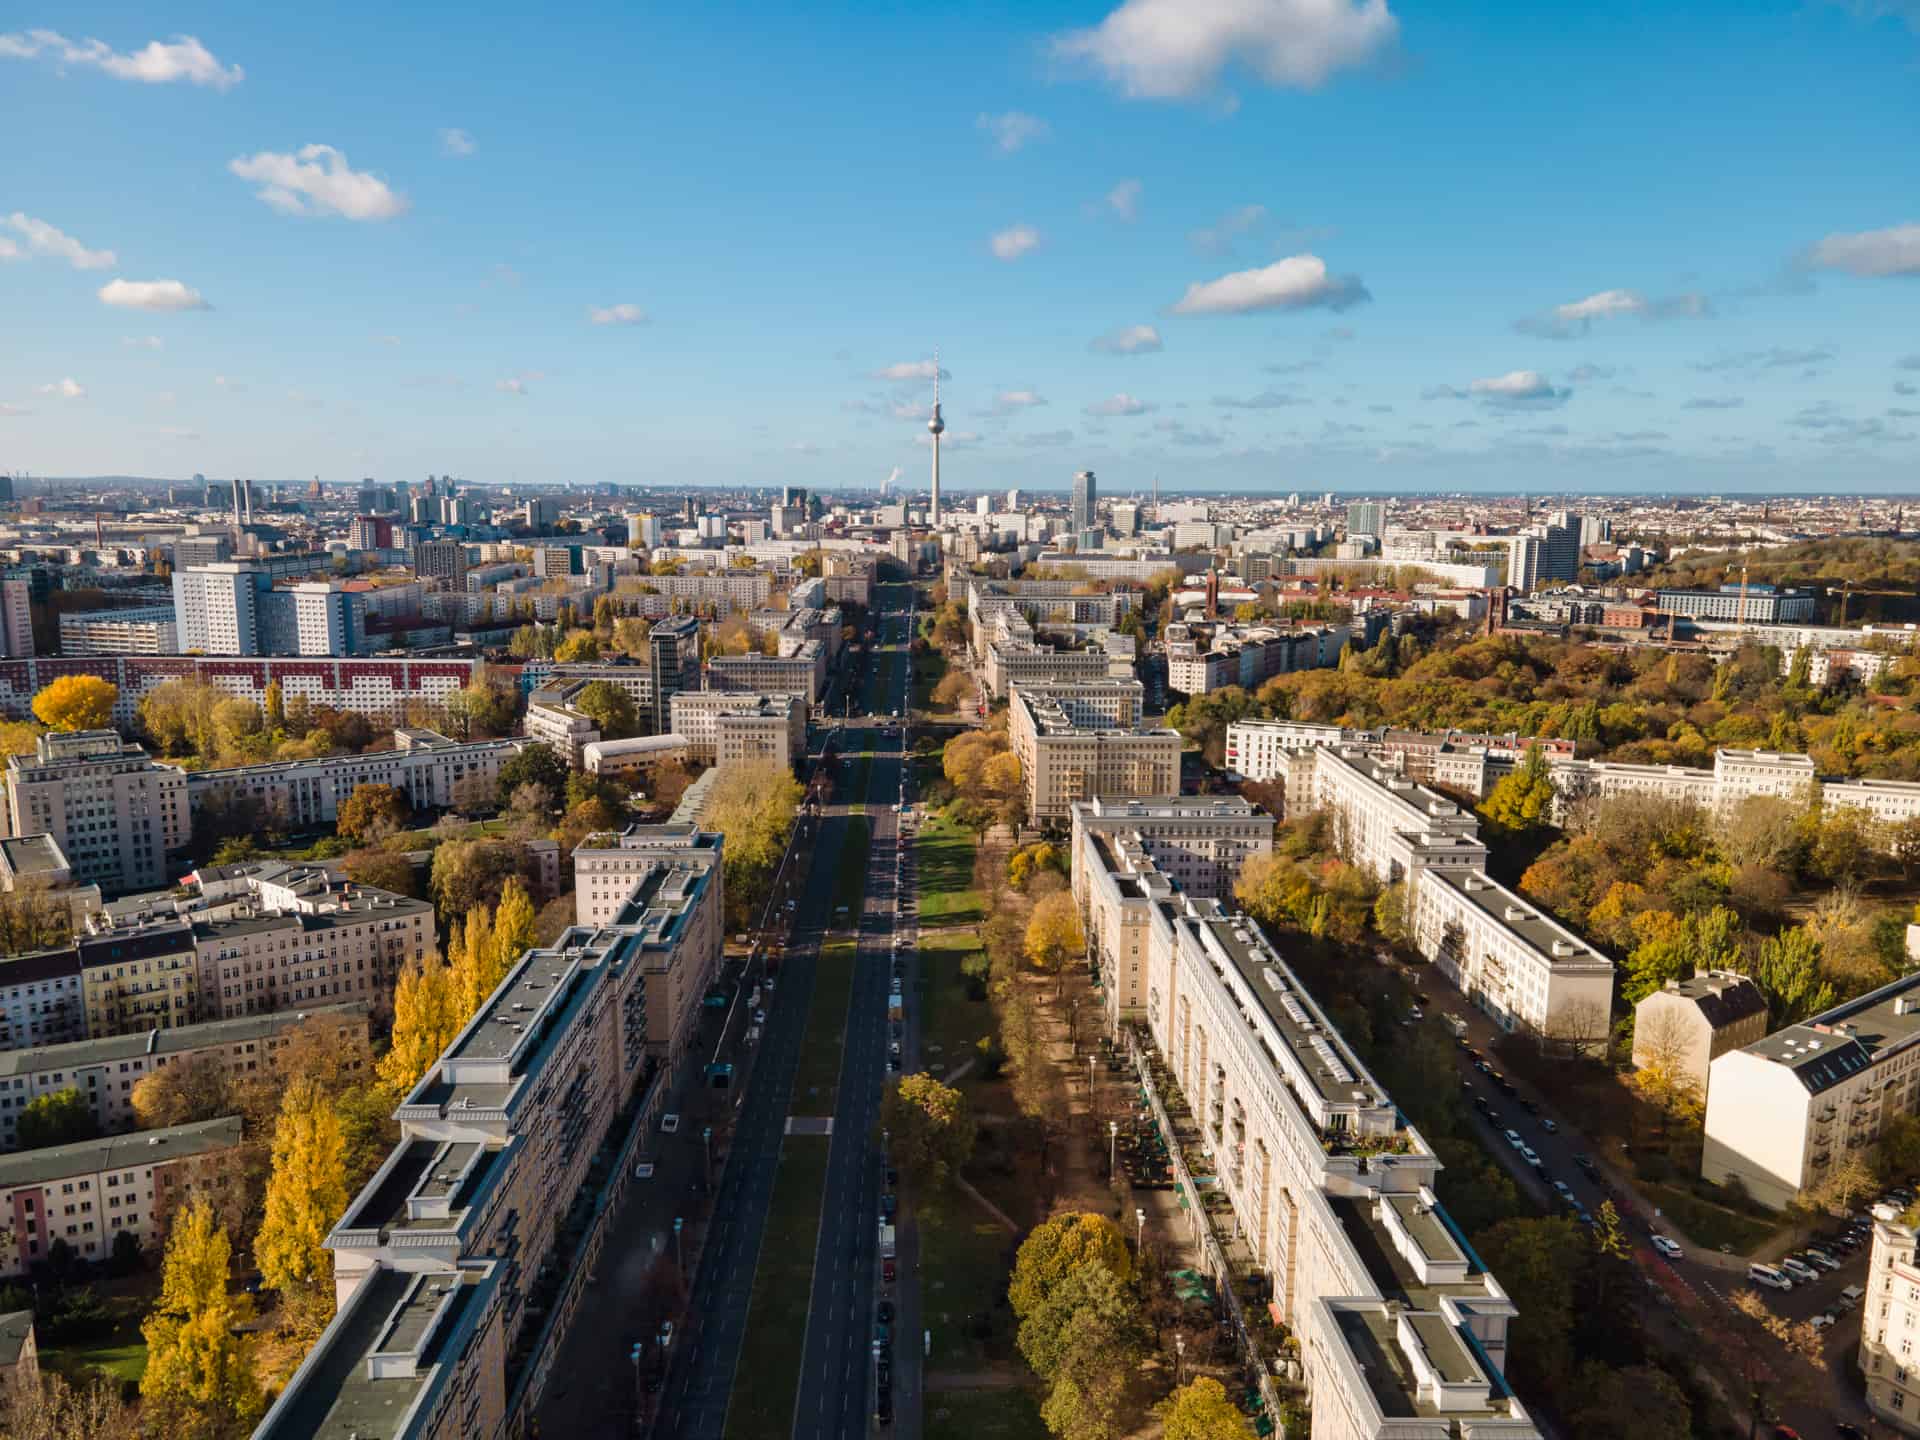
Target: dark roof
x: 1722, y: 997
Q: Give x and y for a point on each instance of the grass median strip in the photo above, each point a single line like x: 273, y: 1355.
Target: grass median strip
x: 816, y: 1079
x: 945, y: 853
x: 769, y: 1366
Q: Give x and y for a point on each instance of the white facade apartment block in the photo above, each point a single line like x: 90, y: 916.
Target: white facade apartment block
x: 695, y: 716
x: 216, y: 609
x: 1783, y: 1111
x: 1199, y: 842
x: 565, y: 729
x: 1388, y: 825
x: 802, y: 673
x: 1331, y: 1192
x: 432, y: 771
x: 1260, y: 749
x: 114, y: 813
x: 1076, y: 742
x: 89, y: 1192
x: 136, y: 630
x: 1025, y: 662
x: 1889, y: 1318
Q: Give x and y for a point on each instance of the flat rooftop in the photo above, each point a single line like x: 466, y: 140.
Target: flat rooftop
x: 1827, y: 1048
x: 1373, y: 1342
x: 79, y: 1054
x: 31, y: 855
x: 1521, y: 918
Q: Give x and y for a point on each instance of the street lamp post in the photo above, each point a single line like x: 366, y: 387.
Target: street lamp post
x: 679, y: 1253
x: 1139, y: 1229
x: 634, y: 1355
x: 706, y: 1136
x: 1113, y: 1144
x: 1180, y: 1360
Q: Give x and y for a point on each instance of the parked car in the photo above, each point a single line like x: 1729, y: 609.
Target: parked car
x: 669, y: 1123
x: 1585, y: 1162
x: 1564, y: 1190
x: 886, y: 1311
x: 1667, y: 1246
x: 1820, y: 1259
x: 1528, y: 1154
x: 1770, y: 1276
x: 1550, y: 1127
x: 1798, y: 1268
x: 1513, y: 1139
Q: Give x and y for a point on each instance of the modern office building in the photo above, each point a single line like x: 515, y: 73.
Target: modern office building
x: 459, y: 1268
x: 91, y: 1192
x: 134, y: 630
x: 1086, y: 502
x: 1367, y: 517
x: 113, y: 812
x: 442, y: 560
x: 673, y: 663
x: 104, y: 1071
x: 1784, y: 1110
x: 1081, y: 740
x: 804, y: 673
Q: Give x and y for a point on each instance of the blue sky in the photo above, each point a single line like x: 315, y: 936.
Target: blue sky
x: 1273, y: 244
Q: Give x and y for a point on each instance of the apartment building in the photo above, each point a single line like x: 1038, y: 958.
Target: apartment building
x: 1249, y: 655
x: 552, y: 720
x: 1011, y: 662
x: 1081, y: 740
x: 1387, y: 824
x: 780, y: 721
x: 41, y: 1000
x: 1200, y: 842
x: 305, y: 937
x: 673, y: 868
x: 1685, y: 1025
x: 1061, y: 606
x: 1888, y: 1318
x: 1331, y: 1191
x: 1751, y: 604
x: 432, y: 771
x: 382, y: 689
x: 89, y: 1193
x: 114, y: 813
x: 733, y: 589
x: 459, y: 1268
x: 804, y: 672
x: 1782, y: 1111
x: 1261, y: 749
x: 104, y: 1071
x: 137, y: 980
x: 135, y: 630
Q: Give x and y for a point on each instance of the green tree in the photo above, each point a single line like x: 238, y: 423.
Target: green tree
x: 931, y: 1127
x: 59, y: 1117
x: 1201, y: 1411
x: 306, y: 1196
x: 1787, y: 970
x: 535, y: 764
x: 199, y: 1377
x: 1540, y: 1263
x: 1640, y: 1402
x: 611, y: 708
x: 1523, y: 801
x: 372, y: 812
x: 1058, y: 1246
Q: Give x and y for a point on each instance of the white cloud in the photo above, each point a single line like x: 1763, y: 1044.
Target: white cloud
x: 1577, y: 317
x: 1218, y: 238
x: 1893, y: 251
x: 9, y: 250
x: 515, y: 384
x: 804, y: 447
x: 67, y: 389
x: 1123, y: 200
x: 7, y: 412
x: 912, y: 370
x: 183, y: 58
x: 1014, y: 241
x: 316, y: 180
x: 1127, y: 340
x: 1265, y: 400
x: 1011, y: 402
x: 152, y: 295
x: 43, y: 239
x: 456, y: 142
x: 1177, y: 49
x: 1121, y: 404
x: 1299, y: 282
x: 143, y: 342
x: 1012, y: 130
x: 1518, y: 387
x: 616, y: 315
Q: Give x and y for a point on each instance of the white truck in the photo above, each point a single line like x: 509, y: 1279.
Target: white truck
x: 886, y: 1241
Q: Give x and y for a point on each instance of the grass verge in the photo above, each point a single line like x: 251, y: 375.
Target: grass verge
x: 1706, y: 1223
x: 965, y: 1258
x: 817, y: 1076
x: 850, y: 880
x: 948, y: 1018
x: 1012, y: 1414
x: 782, y: 1291
x: 945, y: 855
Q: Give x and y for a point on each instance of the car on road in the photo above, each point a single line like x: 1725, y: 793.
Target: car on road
x: 643, y: 1171
x: 1528, y: 1154
x: 1667, y: 1246
x: 893, y: 1177
x: 669, y: 1123
x: 1849, y: 1432
x: 1819, y: 1259
x: 1513, y: 1139
x: 886, y: 1312
x: 1770, y: 1276
x: 888, y: 1204
x: 1563, y: 1190
x: 1585, y: 1162
x: 889, y: 1271
x: 1550, y: 1127
x: 666, y: 1334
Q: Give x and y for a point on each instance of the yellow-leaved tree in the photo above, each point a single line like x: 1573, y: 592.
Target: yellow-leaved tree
x: 199, y: 1379
x: 512, y: 928
x: 76, y: 702
x: 1053, y: 933
x: 306, y: 1195
x: 425, y: 1020
x: 1058, y: 1247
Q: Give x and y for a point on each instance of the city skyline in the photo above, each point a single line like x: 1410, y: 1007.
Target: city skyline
x: 1514, y: 253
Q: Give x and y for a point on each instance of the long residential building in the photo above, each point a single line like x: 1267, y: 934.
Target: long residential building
x: 1403, y: 1331
x: 804, y: 672
x: 90, y: 1192
x: 459, y: 1268
x: 1081, y: 740
x: 134, y: 630
x: 1502, y: 951
x: 432, y: 771
x: 114, y: 813
x: 382, y: 689
x: 1784, y: 1111
x: 103, y: 1072
x: 752, y: 722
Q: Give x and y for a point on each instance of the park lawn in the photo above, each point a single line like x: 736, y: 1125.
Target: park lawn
x: 817, y: 1075
x: 948, y: 1018
x: 964, y: 1260
x: 928, y: 671
x: 1010, y: 1414
x: 945, y: 855
x: 769, y: 1365
x: 850, y: 879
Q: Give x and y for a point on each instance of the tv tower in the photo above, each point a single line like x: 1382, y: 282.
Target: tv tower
x: 935, y: 426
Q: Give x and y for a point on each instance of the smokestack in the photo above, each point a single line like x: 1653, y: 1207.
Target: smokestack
x: 249, y: 488
x: 236, y: 504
